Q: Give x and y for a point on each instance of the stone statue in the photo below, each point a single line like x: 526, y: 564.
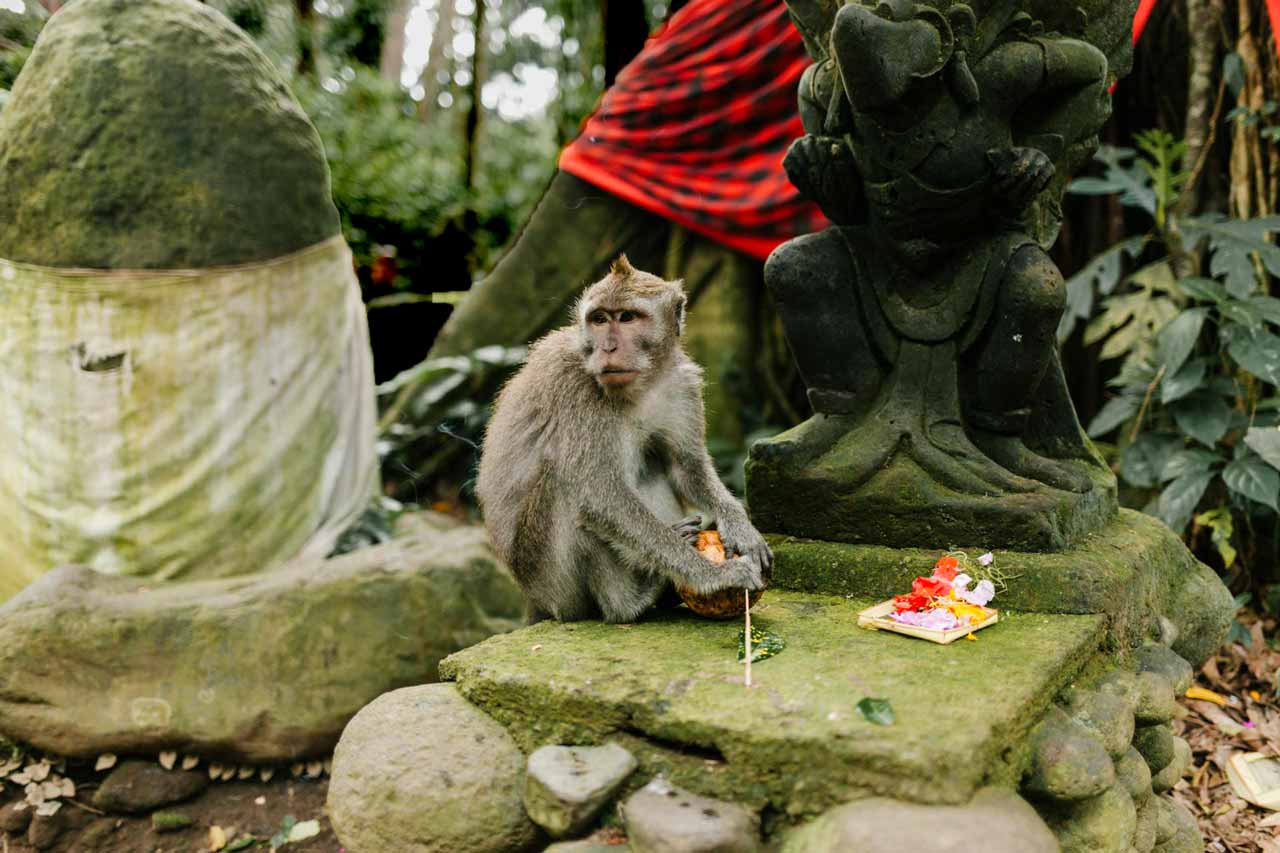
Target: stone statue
x: 923, y: 322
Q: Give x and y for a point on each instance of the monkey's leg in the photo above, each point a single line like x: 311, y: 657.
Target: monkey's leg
x: 1008, y: 365
x: 621, y: 593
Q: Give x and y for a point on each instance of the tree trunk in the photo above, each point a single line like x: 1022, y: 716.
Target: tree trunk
x: 393, y: 41
x: 625, y: 31
x: 1249, y: 173
x: 1204, y: 26
x: 436, y: 59
x: 306, y: 38
x: 473, y: 110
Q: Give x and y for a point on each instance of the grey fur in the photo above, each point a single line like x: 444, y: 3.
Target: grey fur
x: 586, y: 489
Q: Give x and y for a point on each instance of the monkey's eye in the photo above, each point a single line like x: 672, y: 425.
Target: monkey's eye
x: 599, y: 318
x: 626, y: 316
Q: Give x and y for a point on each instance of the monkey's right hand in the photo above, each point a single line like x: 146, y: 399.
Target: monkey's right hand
x: 742, y: 573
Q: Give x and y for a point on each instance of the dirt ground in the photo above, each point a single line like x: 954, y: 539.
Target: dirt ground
x: 240, y: 808
x: 1244, y: 676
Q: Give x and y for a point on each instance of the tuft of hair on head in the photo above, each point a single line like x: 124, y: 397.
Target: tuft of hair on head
x: 622, y: 266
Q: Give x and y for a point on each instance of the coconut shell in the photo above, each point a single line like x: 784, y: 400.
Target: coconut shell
x: 725, y: 604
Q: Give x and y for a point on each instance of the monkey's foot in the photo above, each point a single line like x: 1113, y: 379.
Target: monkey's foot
x: 1011, y: 453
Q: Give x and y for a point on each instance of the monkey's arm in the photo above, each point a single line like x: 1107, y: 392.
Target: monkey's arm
x: 621, y: 519
x: 696, y: 480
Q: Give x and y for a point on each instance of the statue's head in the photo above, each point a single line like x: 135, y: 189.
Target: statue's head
x: 885, y: 47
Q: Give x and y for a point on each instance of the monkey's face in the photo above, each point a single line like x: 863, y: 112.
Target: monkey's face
x: 621, y: 343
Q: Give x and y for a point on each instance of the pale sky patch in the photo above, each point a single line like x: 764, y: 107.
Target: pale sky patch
x: 525, y: 94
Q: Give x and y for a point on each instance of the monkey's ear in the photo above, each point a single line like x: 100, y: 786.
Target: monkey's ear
x: 622, y: 266
x: 678, y: 310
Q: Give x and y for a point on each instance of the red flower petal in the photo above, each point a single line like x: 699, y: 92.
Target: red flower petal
x: 945, y: 568
x: 934, y: 586
x: 911, y: 601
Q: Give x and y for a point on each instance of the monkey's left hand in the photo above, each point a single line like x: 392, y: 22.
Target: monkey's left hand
x: 741, y: 537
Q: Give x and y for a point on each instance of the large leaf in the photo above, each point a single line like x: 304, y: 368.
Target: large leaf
x: 1232, y: 242
x: 1257, y: 352
x: 1101, y: 274
x: 1204, y: 289
x: 1253, y: 478
x: 1203, y: 415
x: 1115, y: 412
x: 1179, y: 499
x: 1266, y: 443
x: 1142, y: 462
x: 1178, y: 338
x: 1268, y: 307
x: 1130, y: 321
x: 1122, y: 177
x: 1175, y: 386
x: 1190, y: 460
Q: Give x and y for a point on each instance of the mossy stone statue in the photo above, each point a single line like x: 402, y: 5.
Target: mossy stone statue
x: 153, y: 134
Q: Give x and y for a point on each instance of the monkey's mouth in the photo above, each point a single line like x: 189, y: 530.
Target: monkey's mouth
x: 617, y: 376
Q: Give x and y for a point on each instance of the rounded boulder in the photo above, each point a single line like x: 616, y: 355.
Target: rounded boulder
x: 156, y: 135
x: 421, y: 770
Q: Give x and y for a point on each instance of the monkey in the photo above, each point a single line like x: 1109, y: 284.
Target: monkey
x: 595, y: 454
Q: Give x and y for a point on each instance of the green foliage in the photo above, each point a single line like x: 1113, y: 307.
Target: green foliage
x: 437, y: 396
x: 18, y: 32
x: 1195, y: 408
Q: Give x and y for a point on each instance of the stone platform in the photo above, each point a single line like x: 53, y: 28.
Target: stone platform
x: 671, y: 690
x: 1135, y: 570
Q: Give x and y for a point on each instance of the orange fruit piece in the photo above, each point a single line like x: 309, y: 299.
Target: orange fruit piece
x: 725, y: 604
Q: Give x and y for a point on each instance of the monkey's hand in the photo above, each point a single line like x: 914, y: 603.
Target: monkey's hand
x: 1020, y: 174
x: 688, y: 529
x: 740, y: 537
x: 741, y: 573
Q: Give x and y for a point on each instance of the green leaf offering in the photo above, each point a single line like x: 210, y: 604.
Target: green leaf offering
x: 877, y: 711
x: 764, y: 645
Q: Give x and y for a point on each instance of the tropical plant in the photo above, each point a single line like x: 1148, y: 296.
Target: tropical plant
x: 1195, y: 411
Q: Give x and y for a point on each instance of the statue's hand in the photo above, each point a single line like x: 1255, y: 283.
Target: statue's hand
x: 823, y: 169
x: 1021, y: 174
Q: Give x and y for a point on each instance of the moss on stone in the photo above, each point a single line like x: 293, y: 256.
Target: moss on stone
x: 156, y: 135
x: 670, y: 690
x: 791, y: 491
x: 1135, y: 570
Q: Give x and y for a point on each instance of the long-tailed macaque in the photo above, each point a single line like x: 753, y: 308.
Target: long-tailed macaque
x: 595, y: 455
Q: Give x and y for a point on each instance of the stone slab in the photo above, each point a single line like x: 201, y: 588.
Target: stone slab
x: 257, y: 669
x: 1135, y: 570
x: 670, y: 690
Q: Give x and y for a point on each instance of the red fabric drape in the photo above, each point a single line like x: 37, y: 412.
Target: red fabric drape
x: 1141, y: 18
x: 696, y: 126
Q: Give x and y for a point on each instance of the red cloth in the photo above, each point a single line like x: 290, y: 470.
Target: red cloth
x: 696, y: 126
x: 1143, y: 15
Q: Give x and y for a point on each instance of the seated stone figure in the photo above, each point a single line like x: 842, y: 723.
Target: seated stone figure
x: 924, y: 321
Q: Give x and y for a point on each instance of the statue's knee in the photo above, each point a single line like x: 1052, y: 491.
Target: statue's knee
x: 1035, y: 287
x: 798, y: 265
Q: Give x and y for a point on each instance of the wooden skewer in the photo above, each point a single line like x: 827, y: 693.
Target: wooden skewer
x: 747, y: 634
